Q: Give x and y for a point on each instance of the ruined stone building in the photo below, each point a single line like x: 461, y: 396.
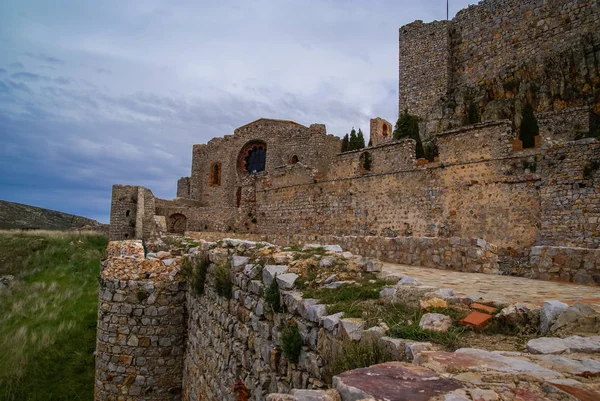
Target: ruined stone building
x: 468, y: 80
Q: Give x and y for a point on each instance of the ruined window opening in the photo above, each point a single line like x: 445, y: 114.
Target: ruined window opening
x: 366, y: 161
x: 126, y: 235
x: 256, y: 159
x: 127, y: 213
x: 177, y: 223
x: 385, y: 130
x: 238, y: 196
x: 215, y: 174
x: 295, y: 159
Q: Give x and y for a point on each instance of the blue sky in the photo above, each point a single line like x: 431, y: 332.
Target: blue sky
x: 95, y: 93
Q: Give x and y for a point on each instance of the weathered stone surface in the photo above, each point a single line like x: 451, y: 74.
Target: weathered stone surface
x: 252, y: 271
x: 435, y: 322
x: 393, y: 347
x: 412, y: 349
x: 352, y: 328
x: 551, y: 345
x: 315, y: 395
x: 316, y: 312
x: 331, y: 322
x: 433, y: 303
x: 393, y: 381
x: 337, y: 284
x: 520, y: 314
x: 549, y: 313
x: 238, y: 263
x: 408, y: 281
x: 286, y: 281
x: 476, y: 360
x: 269, y: 272
x: 571, y: 315
x: 370, y: 265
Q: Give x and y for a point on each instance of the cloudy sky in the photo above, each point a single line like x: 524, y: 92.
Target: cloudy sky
x: 94, y: 93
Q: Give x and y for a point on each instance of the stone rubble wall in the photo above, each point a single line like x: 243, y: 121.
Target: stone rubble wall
x: 570, y: 195
x: 498, y: 55
x: 239, y: 339
x: 459, y: 254
x: 577, y: 265
x: 141, y: 330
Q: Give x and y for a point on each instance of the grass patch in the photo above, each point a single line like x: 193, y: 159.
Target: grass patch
x: 304, y: 280
x: 291, y: 342
x: 349, y: 355
x: 48, y: 321
x: 308, y: 253
x: 195, y: 274
x: 367, y: 288
x: 223, y: 283
x: 272, y: 297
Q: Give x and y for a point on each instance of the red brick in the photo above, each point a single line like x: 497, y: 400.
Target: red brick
x: 483, y: 308
x: 476, y: 319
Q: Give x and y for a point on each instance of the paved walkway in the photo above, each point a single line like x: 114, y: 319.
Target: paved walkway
x: 487, y: 287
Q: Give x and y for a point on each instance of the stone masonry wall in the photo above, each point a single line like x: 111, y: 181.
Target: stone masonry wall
x: 503, y: 54
x: 496, y: 199
x: 123, y: 212
x: 425, y: 65
x: 284, y: 140
x: 576, y: 265
x: 141, y: 327
x: 570, y: 195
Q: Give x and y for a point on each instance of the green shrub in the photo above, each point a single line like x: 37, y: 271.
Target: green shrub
x: 366, y: 161
x: 223, y: 283
x: 472, y: 113
x: 590, y: 168
x: 291, y: 342
x: 254, y: 220
x: 142, y: 295
x: 272, y: 297
x: 196, y: 274
x: 529, y: 127
x: 407, y: 126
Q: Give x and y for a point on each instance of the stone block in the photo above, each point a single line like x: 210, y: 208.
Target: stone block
x: 435, y: 322
x: 549, y: 313
x: 286, y: 281
x: 269, y: 272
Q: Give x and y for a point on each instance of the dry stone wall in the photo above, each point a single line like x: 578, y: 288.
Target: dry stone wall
x: 577, y: 265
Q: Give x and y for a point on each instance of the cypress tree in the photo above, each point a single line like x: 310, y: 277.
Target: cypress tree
x: 529, y: 127
x: 353, y: 140
x: 370, y: 142
x: 360, y: 141
x: 345, y: 143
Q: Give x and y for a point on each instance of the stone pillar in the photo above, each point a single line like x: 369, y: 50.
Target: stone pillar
x: 141, y: 327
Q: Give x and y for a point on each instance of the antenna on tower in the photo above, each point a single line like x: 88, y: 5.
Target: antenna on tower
x: 447, y: 10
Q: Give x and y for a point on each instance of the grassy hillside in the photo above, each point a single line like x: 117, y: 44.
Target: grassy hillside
x: 19, y: 216
x: 48, y: 317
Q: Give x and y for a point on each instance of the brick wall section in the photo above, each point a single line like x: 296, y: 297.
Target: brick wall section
x: 570, y: 198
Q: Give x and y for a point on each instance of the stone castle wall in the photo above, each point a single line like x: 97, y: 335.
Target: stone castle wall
x: 141, y: 329
x: 494, y: 57
x: 123, y: 212
x: 283, y: 139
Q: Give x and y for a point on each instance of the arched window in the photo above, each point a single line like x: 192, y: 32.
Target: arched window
x: 385, y: 130
x: 215, y: 174
x: 295, y: 159
x: 253, y: 158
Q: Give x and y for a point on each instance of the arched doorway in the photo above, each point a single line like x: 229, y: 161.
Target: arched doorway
x: 177, y: 223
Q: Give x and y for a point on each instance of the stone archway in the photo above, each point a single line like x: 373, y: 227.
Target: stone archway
x: 177, y: 223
